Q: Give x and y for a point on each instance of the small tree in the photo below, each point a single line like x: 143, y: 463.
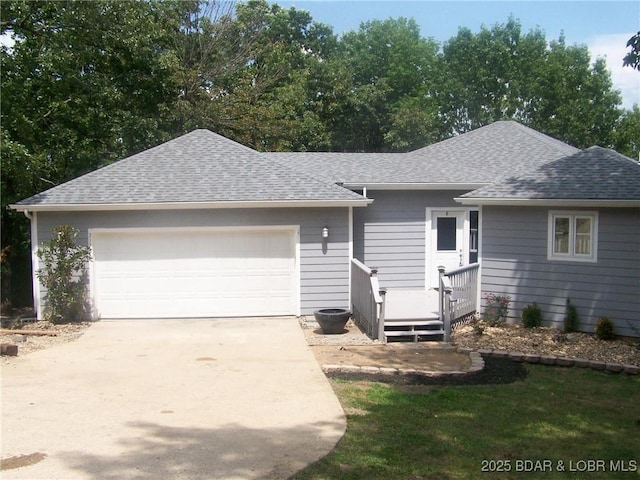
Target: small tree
x: 571, y: 318
x: 63, y: 275
x: 531, y: 316
x: 605, y: 329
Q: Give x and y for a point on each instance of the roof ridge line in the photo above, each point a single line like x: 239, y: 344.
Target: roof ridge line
x: 543, y: 137
x: 617, y: 154
x: 217, y: 135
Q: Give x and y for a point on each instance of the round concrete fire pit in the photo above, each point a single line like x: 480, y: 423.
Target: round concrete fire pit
x: 332, y: 320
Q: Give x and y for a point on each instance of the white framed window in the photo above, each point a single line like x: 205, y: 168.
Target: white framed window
x: 573, y: 236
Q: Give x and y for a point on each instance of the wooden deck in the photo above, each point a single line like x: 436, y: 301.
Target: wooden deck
x: 404, y: 305
x: 415, y: 314
x: 412, y: 314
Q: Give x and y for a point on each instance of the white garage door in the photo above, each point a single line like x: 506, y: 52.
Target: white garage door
x: 194, y: 273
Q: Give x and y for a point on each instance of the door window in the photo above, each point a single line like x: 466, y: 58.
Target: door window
x: 446, y: 234
x: 473, y: 236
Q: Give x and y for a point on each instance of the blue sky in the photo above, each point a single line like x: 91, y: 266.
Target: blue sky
x: 604, y: 26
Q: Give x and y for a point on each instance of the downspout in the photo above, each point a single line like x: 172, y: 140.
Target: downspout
x: 33, y: 219
x: 28, y: 215
x: 350, y: 233
x: 480, y: 262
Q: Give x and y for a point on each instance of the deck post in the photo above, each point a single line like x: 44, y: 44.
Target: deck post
x: 447, y: 318
x: 446, y: 310
x: 441, y: 270
x: 381, y: 336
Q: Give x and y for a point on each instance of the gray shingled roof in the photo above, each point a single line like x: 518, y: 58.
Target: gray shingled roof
x: 593, y: 174
x: 481, y: 156
x: 203, y: 167
x: 200, y: 166
x: 344, y: 167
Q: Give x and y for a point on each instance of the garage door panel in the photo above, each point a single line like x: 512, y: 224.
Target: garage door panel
x: 194, y: 273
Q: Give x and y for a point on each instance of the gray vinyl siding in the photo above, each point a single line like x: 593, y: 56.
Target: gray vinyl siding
x: 324, y: 266
x: 390, y: 235
x: 514, y: 262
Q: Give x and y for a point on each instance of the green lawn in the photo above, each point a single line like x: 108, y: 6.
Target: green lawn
x: 585, y: 421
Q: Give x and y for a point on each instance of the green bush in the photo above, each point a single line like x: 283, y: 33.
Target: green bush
x: 531, y: 316
x: 62, y: 275
x: 605, y: 329
x: 571, y: 319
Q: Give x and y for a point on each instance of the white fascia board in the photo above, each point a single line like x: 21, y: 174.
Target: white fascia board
x: 414, y: 186
x: 546, y: 202
x: 189, y: 205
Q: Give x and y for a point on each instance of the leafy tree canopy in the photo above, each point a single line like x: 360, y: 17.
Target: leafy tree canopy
x: 501, y: 73
x: 388, y: 71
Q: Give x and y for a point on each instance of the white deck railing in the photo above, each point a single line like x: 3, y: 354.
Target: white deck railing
x: 458, y: 295
x: 367, y: 300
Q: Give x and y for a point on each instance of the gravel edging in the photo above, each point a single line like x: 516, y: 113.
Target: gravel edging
x: 558, y: 361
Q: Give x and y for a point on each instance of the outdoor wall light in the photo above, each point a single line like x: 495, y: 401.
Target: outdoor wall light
x: 325, y: 232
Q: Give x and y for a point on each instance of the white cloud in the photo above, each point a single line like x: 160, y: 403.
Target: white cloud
x: 626, y: 79
x: 6, y: 40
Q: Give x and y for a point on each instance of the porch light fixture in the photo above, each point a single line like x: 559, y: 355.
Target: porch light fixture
x: 325, y: 232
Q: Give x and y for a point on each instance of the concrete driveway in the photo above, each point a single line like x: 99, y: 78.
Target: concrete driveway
x: 172, y: 399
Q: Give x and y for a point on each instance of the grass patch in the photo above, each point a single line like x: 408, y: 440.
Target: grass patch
x: 446, y: 432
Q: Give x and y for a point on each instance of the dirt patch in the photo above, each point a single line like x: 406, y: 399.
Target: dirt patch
x: 429, y: 357
x: 354, y: 348
x: 30, y: 343
x: 21, y: 461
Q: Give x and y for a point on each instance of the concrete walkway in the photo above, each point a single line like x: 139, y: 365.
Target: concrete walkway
x: 174, y: 399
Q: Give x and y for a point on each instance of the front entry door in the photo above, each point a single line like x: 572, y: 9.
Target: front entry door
x: 447, y: 234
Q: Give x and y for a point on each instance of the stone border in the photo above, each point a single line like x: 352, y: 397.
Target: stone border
x: 559, y: 361
x: 477, y: 365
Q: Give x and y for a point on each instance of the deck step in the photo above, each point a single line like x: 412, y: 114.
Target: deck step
x: 414, y: 330
x: 413, y: 316
x: 412, y: 333
x: 410, y: 323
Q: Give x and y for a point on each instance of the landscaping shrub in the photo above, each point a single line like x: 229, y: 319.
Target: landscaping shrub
x: 496, y: 308
x: 605, y: 329
x: 62, y: 275
x: 571, y: 319
x: 478, y: 329
x: 531, y: 316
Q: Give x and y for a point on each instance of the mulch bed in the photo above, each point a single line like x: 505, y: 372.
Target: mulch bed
x: 478, y: 335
